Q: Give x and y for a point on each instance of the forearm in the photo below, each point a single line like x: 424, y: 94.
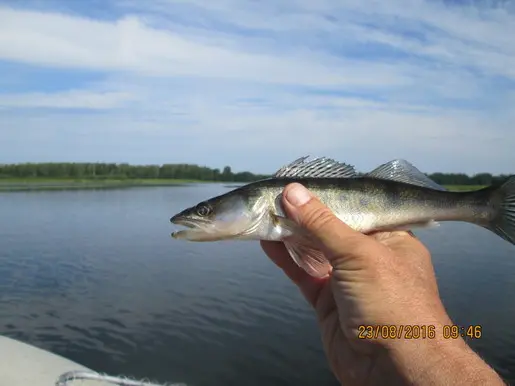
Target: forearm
x: 432, y: 362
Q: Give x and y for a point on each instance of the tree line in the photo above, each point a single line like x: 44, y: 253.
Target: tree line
x: 123, y: 171
x: 185, y: 171
x: 464, y: 179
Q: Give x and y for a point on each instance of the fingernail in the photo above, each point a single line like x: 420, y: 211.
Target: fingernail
x: 297, y: 195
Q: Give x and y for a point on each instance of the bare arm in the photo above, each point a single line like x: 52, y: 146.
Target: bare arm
x: 432, y: 362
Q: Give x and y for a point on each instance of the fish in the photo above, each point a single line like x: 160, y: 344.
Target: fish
x: 394, y: 196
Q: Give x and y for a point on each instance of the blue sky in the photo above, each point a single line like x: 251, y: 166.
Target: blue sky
x: 256, y: 84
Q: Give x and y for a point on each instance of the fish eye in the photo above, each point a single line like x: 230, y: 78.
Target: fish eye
x: 203, y: 210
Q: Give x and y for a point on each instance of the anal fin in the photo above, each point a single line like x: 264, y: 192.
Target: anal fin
x: 407, y: 227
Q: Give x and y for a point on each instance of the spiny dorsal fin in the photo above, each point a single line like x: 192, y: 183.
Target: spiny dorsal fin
x: 316, y: 168
x: 402, y: 171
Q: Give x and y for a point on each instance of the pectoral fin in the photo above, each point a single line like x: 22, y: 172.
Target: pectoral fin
x: 303, y: 249
x: 308, y: 258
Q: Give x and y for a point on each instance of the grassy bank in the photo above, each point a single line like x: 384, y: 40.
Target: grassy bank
x: 462, y: 188
x: 39, y: 183
x: 26, y: 184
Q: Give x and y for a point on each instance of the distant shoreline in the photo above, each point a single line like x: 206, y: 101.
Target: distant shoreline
x: 45, y: 184
x: 463, y: 188
x: 37, y: 183
x: 70, y: 175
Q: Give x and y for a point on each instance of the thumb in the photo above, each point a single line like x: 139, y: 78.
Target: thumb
x: 337, y: 238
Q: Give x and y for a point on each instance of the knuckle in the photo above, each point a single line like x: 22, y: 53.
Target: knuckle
x: 319, y: 217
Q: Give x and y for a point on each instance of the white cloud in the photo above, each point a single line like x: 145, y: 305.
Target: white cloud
x: 260, y: 137
x: 477, y: 36
x: 67, y: 100
x: 257, y: 84
x: 128, y: 44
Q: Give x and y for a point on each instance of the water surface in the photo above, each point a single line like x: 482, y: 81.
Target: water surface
x: 94, y: 276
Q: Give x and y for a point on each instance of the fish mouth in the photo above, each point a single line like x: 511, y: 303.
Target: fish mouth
x: 196, y: 227
x: 185, y: 222
x: 205, y: 230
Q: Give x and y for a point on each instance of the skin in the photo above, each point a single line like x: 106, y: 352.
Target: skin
x: 380, y: 279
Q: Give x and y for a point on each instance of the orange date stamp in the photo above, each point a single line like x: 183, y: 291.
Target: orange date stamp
x: 454, y: 331
x: 419, y: 331
x: 401, y: 331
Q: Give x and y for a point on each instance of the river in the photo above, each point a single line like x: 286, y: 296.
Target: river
x: 94, y: 275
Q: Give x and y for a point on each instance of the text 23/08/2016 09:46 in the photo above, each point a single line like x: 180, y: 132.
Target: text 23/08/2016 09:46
x: 416, y: 331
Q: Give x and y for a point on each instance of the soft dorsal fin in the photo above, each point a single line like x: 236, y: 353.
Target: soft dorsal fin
x: 402, y: 171
x: 316, y: 168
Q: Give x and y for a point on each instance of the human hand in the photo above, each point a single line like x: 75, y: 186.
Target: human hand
x: 381, y: 279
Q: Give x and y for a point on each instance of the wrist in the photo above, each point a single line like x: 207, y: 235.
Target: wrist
x: 437, y: 360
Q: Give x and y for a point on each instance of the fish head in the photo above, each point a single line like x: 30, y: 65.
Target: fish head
x: 229, y: 216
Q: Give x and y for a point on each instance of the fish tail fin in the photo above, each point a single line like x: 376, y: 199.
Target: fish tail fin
x: 503, y: 222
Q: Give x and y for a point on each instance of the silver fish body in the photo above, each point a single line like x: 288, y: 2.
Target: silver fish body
x: 399, y: 199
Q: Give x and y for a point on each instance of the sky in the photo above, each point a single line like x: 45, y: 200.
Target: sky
x: 257, y: 84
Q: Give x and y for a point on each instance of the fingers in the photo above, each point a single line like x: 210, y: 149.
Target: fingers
x: 337, y: 238
x: 308, y: 285
x: 404, y: 241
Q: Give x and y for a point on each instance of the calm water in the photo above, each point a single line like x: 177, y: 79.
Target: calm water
x: 95, y: 276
